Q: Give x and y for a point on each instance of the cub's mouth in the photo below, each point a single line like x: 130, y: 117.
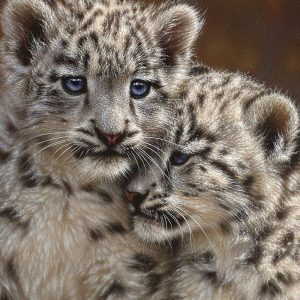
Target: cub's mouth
x: 81, y: 152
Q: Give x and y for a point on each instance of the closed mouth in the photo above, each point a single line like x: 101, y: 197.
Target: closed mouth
x: 82, y: 152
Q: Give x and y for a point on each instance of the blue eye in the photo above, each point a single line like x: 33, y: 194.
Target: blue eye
x: 74, y: 85
x: 178, y: 158
x: 139, y: 89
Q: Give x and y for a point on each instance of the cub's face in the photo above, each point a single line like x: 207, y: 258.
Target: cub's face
x: 92, y: 79
x: 220, y: 170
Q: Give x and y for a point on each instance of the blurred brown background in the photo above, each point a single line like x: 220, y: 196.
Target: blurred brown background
x: 259, y: 37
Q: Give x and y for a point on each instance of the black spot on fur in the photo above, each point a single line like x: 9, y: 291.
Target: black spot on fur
x: 64, y: 43
x: 86, y: 60
x: 201, y: 98
x: 96, y: 234
x: 94, y: 38
x: 198, y: 70
x: 210, y: 276
x: 116, y: 228
x: 142, y: 263
x: 87, y: 24
x: 236, y: 95
x: 201, y: 133
x: 27, y: 175
x: 10, y: 214
x: 255, y: 255
x: 116, y: 289
x: 220, y: 95
x: 178, y: 134
x: 263, y: 233
x: 5, y: 295
x: 224, y: 206
x: 204, y: 152
x: 286, y: 247
x: 271, y: 288
x: 224, y: 152
x: 248, y: 183
x: 85, y: 131
x: 91, y: 20
x: 285, y: 278
x: 183, y: 95
x: 192, y: 118
x: 11, y: 272
x: 81, y: 41
x: 53, y: 77
x: 153, y: 282
x: 11, y: 127
x: 101, y: 194
x: 288, y: 238
x: 80, y: 15
x: 282, y: 213
x: 226, y: 80
x: 206, y: 258
x: 4, y: 153
x: 67, y: 188
x: 224, y: 169
x: 240, y: 216
x: 63, y: 59
x: 225, y: 227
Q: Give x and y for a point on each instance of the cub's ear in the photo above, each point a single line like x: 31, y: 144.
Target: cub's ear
x: 24, y: 25
x: 274, y: 119
x: 177, y: 28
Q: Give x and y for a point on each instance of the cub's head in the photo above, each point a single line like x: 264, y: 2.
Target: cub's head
x: 90, y: 80
x: 221, y: 171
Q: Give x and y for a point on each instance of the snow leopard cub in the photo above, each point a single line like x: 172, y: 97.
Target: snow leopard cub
x: 84, y: 90
x: 229, y: 195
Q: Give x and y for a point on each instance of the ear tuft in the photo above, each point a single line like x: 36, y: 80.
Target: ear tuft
x: 275, y: 120
x: 177, y: 28
x: 23, y: 29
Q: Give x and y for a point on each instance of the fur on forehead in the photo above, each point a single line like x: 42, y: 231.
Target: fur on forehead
x: 167, y: 32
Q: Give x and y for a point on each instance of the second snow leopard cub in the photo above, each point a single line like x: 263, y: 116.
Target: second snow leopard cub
x: 229, y: 194
x: 84, y: 87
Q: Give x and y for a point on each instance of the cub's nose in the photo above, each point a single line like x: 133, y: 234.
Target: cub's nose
x: 136, y: 198
x: 108, y: 139
x: 113, y: 139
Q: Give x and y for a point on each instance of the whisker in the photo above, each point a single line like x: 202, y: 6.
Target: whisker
x: 192, y: 240
x: 200, y: 227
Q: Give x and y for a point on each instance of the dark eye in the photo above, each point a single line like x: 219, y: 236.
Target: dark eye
x: 139, y: 89
x: 74, y: 85
x: 178, y: 158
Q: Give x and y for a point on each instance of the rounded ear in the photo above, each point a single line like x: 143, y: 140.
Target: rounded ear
x: 275, y: 121
x: 23, y: 23
x: 177, y: 28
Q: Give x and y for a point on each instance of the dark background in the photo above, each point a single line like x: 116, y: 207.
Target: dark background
x: 259, y: 37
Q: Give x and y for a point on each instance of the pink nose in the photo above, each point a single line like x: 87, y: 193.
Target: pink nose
x: 113, y: 139
x: 130, y: 195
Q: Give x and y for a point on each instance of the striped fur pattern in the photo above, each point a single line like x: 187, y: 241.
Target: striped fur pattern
x: 63, y: 223
x: 229, y: 196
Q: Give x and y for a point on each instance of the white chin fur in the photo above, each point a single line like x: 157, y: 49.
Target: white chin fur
x: 153, y: 233
x: 102, y: 170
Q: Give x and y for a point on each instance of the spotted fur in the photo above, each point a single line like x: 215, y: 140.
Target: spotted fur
x: 63, y: 224
x: 229, y: 194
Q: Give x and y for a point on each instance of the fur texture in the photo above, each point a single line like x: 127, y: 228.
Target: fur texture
x: 229, y: 194
x: 63, y: 224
